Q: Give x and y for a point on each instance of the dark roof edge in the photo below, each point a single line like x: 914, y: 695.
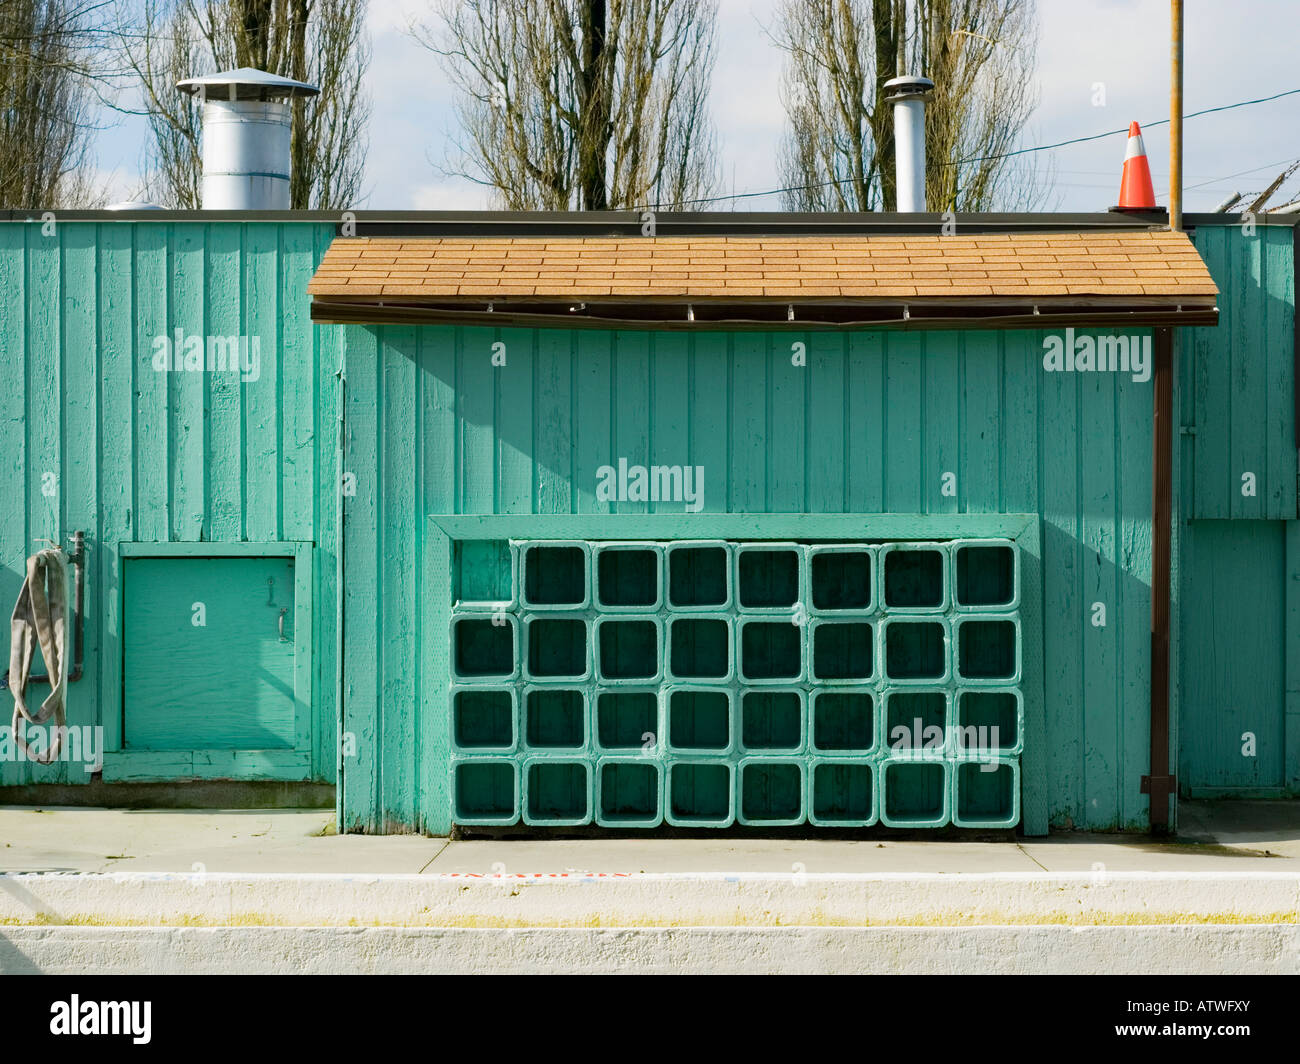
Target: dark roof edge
x: 769, y: 315
x: 630, y: 223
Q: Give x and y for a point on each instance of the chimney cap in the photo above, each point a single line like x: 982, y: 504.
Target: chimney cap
x: 907, y: 87
x: 246, y: 84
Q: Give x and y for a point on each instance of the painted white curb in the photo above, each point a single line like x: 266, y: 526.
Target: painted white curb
x: 1160, y: 950
x: 652, y: 900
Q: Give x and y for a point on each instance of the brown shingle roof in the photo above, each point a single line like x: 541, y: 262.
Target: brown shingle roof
x: 1122, y: 264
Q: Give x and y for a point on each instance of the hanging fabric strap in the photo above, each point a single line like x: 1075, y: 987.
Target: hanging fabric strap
x: 40, y: 618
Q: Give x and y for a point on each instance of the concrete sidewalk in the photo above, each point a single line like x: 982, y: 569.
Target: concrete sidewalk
x: 1241, y: 837
x: 275, y: 891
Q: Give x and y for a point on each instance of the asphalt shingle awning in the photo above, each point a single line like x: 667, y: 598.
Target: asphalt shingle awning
x: 999, y: 280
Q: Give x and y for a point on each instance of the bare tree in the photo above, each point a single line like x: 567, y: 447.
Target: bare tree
x: 322, y: 42
x: 581, y: 104
x: 839, y: 145
x: 980, y: 55
x: 47, y: 101
x: 833, y: 50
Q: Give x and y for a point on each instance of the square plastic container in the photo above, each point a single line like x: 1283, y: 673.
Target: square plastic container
x: 483, y: 720
x: 556, y: 574
x: 987, y: 649
x: 917, y: 723
x: 629, y: 720
x: 486, y: 573
x: 557, y: 793
x: 703, y: 683
x: 700, y: 719
x: 769, y: 577
x: 843, y: 650
x: 629, y: 576
x: 699, y: 794
x: 986, y: 794
x: 700, y: 649
x: 629, y: 793
x: 914, y: 577
x: 841, y: 578
x: 558, y: 648
x: 629, y: 650
x: 989, y: 722
x: 914, y: 794
x: 986, y: 575
x: 916, y: 650
x: 771, y: 792
x: 555, y: 719
x: 772, y: 720
x: 844, y: 721
x: 484, y: 647
x: 771, y: 651
x: 842, y: 794
x: 699, y: 575
x: 485, y: 791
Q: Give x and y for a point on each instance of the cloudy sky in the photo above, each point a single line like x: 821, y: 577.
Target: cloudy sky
x: 1234, y: 52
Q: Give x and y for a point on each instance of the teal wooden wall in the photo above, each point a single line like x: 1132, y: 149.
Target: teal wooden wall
x: 1238, y: 613
x: 149, y: 457
x: 1240, y: 616
x: 1237, y: 380
x: 870, y: 425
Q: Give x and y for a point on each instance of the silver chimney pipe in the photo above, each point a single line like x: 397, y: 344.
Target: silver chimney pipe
x: 908, y: 94
x: 246, y: 136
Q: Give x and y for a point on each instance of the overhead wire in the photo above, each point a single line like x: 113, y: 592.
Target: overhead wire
x: 999, y: 155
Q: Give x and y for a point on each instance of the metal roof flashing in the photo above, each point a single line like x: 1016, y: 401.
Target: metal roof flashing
x: 684, y: 223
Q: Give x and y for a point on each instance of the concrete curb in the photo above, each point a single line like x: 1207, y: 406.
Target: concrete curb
x: 1162, y: 950
x: 587, y: 901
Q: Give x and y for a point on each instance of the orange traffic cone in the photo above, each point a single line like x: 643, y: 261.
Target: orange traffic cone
x: 1135, y: 191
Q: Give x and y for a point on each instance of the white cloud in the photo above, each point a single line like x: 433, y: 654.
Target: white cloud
x: 452, y: 194
x: 384, y: 15
x: 745, y: 101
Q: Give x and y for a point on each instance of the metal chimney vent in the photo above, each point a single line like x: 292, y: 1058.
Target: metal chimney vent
x: 246, y: 138
x: 908, y: 94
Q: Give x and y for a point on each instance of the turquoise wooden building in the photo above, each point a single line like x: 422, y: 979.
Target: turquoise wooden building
x: 765, y: 520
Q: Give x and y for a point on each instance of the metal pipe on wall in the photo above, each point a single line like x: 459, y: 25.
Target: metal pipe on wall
x: 1176, y: 116
x: 1160, y: 784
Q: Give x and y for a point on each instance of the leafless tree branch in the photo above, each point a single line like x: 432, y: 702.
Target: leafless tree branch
x: 581, y: 104
x: 48, y: 88
x: 839, y: 145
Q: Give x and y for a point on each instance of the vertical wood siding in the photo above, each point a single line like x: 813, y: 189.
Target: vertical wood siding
x: 1240, y: 376
x: 870, y: 425
x: 1239, y: 647
x: 141, y: 456
x: 1235, y: 657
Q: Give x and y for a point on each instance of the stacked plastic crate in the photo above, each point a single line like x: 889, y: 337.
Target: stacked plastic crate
x: 704, y: 683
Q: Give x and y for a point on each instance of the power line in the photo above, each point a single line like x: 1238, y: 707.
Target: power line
x: 989, y: 158
x: 1240, y: 173
x: 1113, y: 132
